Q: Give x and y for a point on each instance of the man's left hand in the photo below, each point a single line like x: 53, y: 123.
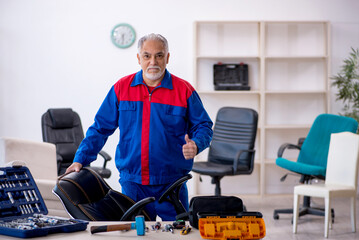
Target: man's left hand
x: 189, y: 149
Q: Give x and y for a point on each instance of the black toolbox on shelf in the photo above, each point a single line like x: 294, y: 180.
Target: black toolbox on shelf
x: 230, y: 76
x: 23, y: 210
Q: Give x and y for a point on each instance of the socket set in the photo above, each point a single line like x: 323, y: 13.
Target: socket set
x: 23, y: 210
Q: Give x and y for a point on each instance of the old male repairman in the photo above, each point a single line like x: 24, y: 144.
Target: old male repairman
x: 162, y: 123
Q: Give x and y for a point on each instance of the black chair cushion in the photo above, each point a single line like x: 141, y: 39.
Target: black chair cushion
x: 83, y: 187
x: 62, y: 118
x: 225, y: 153
x: 215, y: 169
x: 110, y: 208
x: 85, y: 195
x: 62, y: 127
x: 235, y: 129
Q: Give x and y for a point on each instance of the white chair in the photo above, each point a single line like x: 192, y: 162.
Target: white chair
x: 40, y: 158
x: 341, y: 178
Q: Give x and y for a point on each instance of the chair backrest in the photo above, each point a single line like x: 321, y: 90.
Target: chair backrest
x: 314, y: 150
x: 85, y: 195
x: 342, y: 168
x: 235, y: 129
x: 62, y: 127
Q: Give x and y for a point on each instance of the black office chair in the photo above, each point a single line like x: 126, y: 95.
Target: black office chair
x: 85, y: 195
x: 232, y: 147
x: 62, y: 127
x: 312, y: 159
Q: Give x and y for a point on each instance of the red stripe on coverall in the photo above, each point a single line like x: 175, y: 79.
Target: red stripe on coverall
x: 145, y: 146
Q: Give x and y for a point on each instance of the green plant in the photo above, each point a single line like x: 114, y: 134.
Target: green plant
x: 347, y: 82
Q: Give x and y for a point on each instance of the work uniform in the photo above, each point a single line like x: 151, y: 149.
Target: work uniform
x: 152, y: 125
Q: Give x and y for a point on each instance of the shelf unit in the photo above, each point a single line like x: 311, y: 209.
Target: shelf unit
x: 289, y: 79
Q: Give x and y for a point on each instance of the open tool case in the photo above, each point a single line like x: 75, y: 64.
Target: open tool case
x: 22, y: 209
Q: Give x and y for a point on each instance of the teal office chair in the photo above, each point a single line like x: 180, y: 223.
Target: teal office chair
x: 312, y: 159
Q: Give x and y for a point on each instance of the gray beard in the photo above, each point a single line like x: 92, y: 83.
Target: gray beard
x: 153, y: 76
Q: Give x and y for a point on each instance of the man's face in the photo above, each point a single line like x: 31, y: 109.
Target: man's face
x: 153, y: 60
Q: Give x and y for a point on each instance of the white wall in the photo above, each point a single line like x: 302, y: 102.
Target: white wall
x: 58, y: 53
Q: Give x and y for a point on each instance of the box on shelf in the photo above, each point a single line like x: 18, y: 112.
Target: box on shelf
x: 230, y: 76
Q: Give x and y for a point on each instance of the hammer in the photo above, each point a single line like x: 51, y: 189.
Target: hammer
x: 139, y: 225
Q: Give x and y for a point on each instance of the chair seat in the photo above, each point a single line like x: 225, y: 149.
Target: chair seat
x: 110, y: 208
x: 215, y: 169
x: 301, y: 168
x: 323, y: 190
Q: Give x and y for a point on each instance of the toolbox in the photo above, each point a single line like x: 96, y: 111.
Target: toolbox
x: 23, y: 210
x: 230, y: 76
x: 244, y: 225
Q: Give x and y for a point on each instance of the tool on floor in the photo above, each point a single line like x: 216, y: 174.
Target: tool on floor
x: 185, y: 230
x: 179, y: 224
x: 139, y: 225
x: 156, y: 227
x: 168, y: 228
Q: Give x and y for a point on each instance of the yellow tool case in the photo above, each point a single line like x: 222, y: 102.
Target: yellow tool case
x: 244, y: 225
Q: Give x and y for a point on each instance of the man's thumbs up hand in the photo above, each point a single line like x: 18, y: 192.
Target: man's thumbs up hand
x: 189, y: 149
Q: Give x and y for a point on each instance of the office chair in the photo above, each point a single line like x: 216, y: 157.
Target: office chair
x: 340, y: 179
x: 232, y: 148
x: 85, y: 195
x: 62, y: 127
x: 313, y: 153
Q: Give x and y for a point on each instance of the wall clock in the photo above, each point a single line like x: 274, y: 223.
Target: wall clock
x: 123, y: 35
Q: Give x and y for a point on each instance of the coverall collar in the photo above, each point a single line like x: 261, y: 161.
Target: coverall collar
x: 165, y: 83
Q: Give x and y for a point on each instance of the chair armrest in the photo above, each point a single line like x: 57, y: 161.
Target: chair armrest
x: 172, y: 194
x: 285, y: 146
x: 136, y: 209
x: 106, y: 157
x: 300, y: 141
x: 235, y: 162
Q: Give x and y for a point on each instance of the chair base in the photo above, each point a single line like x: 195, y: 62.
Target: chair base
x: 216, y: 181
x: 306, y: 209
x: 302, y: 211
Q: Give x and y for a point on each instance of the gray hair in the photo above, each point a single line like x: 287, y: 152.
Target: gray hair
x: 153, y: 36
